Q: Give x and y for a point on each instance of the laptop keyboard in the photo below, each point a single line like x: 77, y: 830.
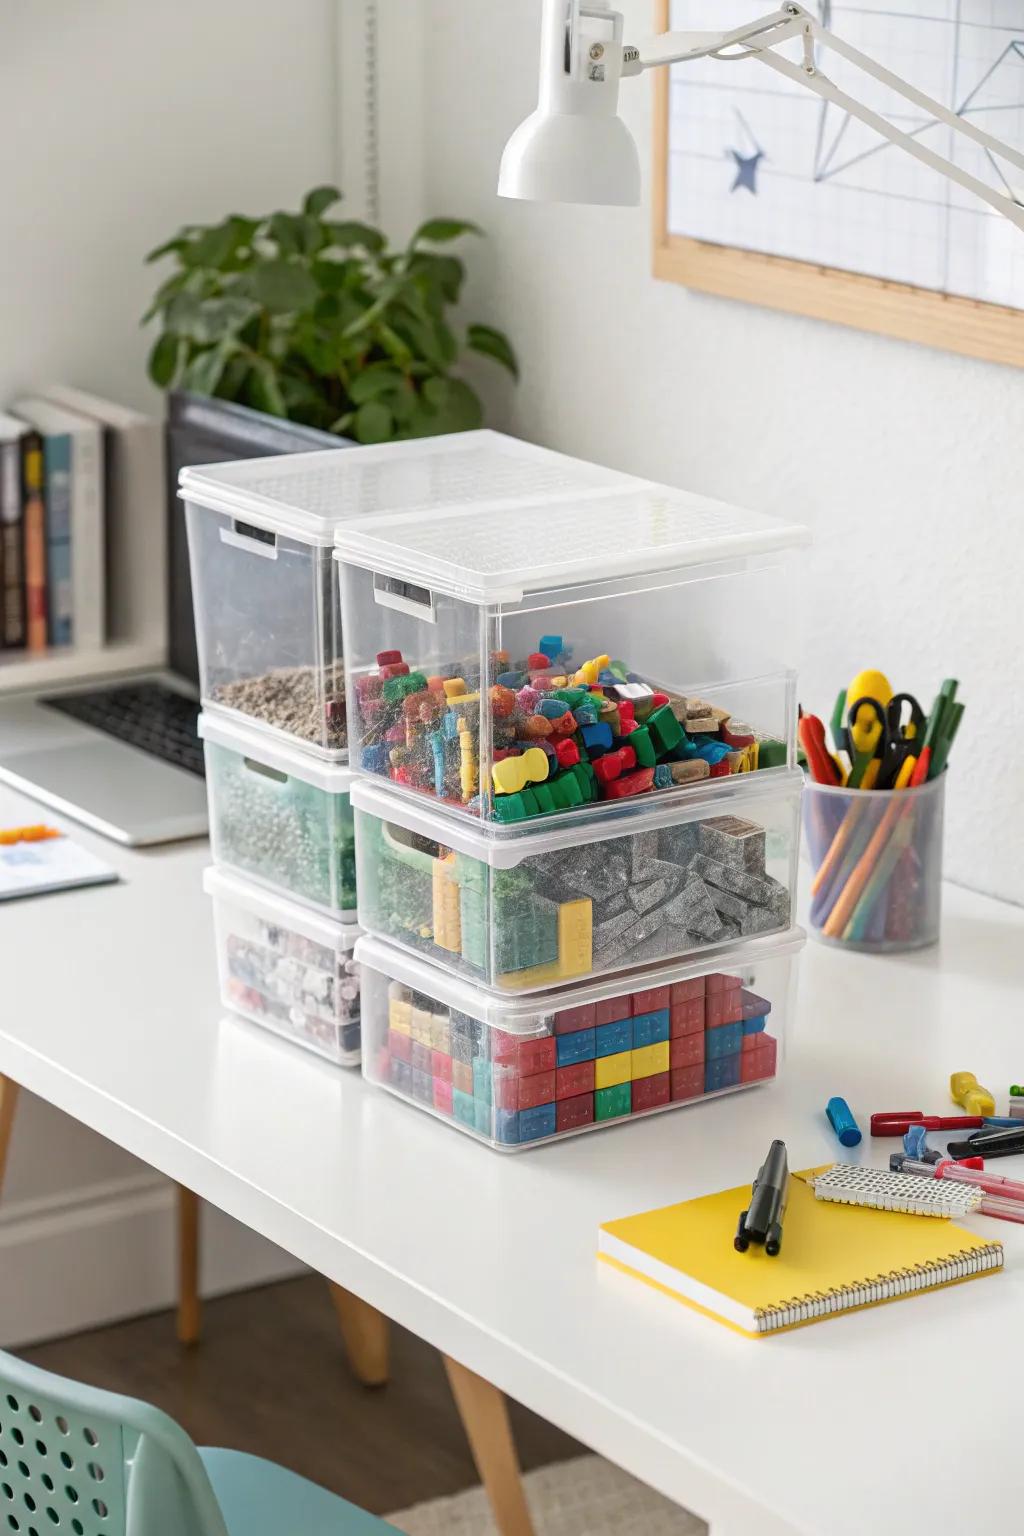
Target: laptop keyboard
x: 145, y: 715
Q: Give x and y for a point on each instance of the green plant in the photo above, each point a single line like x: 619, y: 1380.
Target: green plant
x: 316, y: 319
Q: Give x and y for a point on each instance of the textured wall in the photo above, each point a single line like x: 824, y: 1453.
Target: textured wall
x: 906, y: 462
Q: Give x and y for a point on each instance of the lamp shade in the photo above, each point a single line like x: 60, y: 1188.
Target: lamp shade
x: 566, y: 157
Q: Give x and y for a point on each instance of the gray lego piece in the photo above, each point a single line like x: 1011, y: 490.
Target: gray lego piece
x: 677, y: 845
x: 733, y: 840
x: 643, y: 850
x: 693, y: 909
x: 730, y: 878
x: 653, y: 893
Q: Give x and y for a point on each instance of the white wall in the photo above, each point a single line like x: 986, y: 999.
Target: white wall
x: 119, y: 121
x: 906, y: 462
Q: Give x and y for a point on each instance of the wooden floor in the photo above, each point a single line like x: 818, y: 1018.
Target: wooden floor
x: 270, y: 1378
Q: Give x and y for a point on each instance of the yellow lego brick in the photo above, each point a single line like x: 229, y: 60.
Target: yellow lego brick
x: 421, y: 1026
x: 468, y: 777
x: 454, y: 687
x: 512, y: 774
x: 754, y: 750
x: 575, y: 937
x: 610, y: 1070
x: 445, y: 907
x: 400, y: 1015
x: 649, y: 1060
x: 441, y: 1033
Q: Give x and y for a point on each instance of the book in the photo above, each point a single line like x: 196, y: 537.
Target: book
x: 73, y: 467
x: 135, y: 512
x: 13, y: 627
x: 35, y: 860
x: 834, y: 1258
x: 33, y: 491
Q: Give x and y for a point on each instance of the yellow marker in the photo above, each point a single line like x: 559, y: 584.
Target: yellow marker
x: 514, y: 773
x: 648, y: 1060
x: 609, y: 1071
x: 965, y: 1090
x: 906, y: 773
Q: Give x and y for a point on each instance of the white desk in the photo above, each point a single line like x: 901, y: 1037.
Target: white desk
x: 109, y: 1010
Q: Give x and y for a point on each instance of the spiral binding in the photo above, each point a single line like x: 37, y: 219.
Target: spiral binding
x: 885, y: 1287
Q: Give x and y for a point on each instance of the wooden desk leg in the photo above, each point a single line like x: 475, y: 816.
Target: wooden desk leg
x: 190, y: 1317
x: 366, y: 1334
x: 8, y: 1104
x: 484, y: 1414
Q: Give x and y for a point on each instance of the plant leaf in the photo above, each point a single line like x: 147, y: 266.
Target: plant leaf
x: 283, y: 287
x: 495, y: 344
x: 216, y: 247
x: 446, y: 405
x: 374, y: 423
x: 205, y: 369
x: 265, y: 390
x: 437, y: 230
x: 377, y: 379
x: 320, y: 198
x: 342, y: 423
x: 349, y: 232
x: 164, y: 358
x: 177, y: 244
x: 330, y: 274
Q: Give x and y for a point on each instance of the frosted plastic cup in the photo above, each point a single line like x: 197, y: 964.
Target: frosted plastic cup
x: 877, y: 861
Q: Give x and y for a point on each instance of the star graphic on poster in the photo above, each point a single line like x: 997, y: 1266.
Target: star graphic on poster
x: 746, y: 170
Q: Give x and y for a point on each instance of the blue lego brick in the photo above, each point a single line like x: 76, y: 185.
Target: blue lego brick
x: 482, y: 1116
x: 506, y: 1127
x: 464, y: 1107
x: 610, y: 1039
x: 422, y: 1086
x: 400, y: 1075
x: 579, y: 1045
x: 723, y: 1040
x: 650, y: 1028
x: 536, y: 1122
x: 597, y: 738
x: 481, y: 1080
x: 755, y: 1026
x: 374, y: 759
x: 721, y: 1072
x: 551, y: 646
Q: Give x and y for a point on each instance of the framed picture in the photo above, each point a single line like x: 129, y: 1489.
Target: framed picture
x: 765, y: 193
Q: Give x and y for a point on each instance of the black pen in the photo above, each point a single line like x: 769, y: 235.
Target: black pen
x: 761, y: 1222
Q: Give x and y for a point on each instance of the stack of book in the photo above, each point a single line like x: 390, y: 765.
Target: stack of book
x: 68, y: 461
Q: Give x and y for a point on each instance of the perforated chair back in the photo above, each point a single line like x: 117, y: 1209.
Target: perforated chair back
x: 76, y: 1461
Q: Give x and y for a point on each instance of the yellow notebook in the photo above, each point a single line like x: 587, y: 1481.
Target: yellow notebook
x: 834, y: 1258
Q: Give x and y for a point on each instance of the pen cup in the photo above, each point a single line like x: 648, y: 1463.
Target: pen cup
x: 877, y: 862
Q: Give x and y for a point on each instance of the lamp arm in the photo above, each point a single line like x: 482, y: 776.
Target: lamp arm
x: 758, y: 39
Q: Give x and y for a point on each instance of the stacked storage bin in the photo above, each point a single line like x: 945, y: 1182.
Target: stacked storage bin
x: 572, y: 730
x: 268, y: 631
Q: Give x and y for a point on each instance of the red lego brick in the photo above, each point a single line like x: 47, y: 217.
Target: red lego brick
x: 537, y: 662
x: 686, y: 1018
x: 569, y: 1020
x: 687, y: 991
x: 504, y: 1085
x: 567, y: 753
x: 637, y: 783
x: 503, y: 1046
x: 686, y: 1050
x: 395, y: 669
x: 441, y: 1065
x: 718, y: 981
x: 761, y: 1063
x: 687, y: 1082
x: 388, y: 658
x: 650, y: 1092
x: 539, y: 1088
x: 611, y: 1010
x: 651, y: 1001
x: 570, y: 1113
x: 536, y: 1056
x: 442, y: 1096
x: 723, y: 1008
x: 577, y: 1078
x: 400, y: 1046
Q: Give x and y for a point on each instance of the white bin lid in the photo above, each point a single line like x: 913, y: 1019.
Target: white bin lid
x: 504, y: 845
x: 519, y: 1014
x: 273, y: 908
x: 261, y: 747
x: 309, y: 494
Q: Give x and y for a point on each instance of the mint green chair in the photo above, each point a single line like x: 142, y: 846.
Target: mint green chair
x: 76, y: 1461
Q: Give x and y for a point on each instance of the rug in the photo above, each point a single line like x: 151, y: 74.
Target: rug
x: 583, y: 1497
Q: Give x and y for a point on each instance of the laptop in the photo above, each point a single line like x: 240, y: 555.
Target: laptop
x: 124, y: 757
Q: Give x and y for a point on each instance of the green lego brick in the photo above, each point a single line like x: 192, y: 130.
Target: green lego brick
x: 464, y: 1107
x: 544, y: 798
x: 572, y: 697
x: 482, y: 1117
x: 665, y: 730
x: 482, y: 1079
x: 643, y: 746
x: 566, y: 791
x: 610, y: 1102
x: 397, y: 688
x: 771, y: 753
x: 525, y: 931
x: 510, y: 807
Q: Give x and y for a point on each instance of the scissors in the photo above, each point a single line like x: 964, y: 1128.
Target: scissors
x: 880, y: 734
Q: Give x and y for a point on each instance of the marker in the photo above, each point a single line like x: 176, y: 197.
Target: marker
x: 761, y: 1222
x: 840, y: 1118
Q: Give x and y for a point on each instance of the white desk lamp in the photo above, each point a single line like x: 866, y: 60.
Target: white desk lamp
x: 576, y: 149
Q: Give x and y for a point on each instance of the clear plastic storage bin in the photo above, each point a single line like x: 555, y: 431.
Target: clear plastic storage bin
x: 286, y: 967
x: 260, y: 532
x: 515, y: 1072
x: 527, y: 662
x: 534, y: 907
x: 280, y: 815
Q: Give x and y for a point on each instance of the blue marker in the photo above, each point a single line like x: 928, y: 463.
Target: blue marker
x: 840, y: 1118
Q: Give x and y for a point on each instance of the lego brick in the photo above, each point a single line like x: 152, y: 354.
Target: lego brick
x: 686, y: 1018
x: 538, y: 1121
x: 687, y: 991
x: 568, y: 1020
x: 721, y: 981
x: 506, y: 1127
x: 612, y: 1070
x: 573, y: 1112
x: 538, y: 1088
x: 422, y: 1086
x: 579, y: 1046
x: 422, y: 1058
x: 575, y: 1079
x: 650, y: 1028
x: 651, y: 1092
x: 686, y: 1050
x: 610, y: 1039
x: 722, y: 1072
x: 441, y: 1066
x: 464, y: 1108
x: 420, y: 1025
x: 725, y: 1040
x: 752, y: 1027
x: 734, y: 841
x: 652, y: 1000
x: 400, y: 1075
x: 462, y: 1076
x: 687, y: 1082
x: 613, y: 1101
x: 693, y: 909
x: 483, y: 1086
x: 754, y: 1007
x: 722, y: 1008
x: 399, y: 1045
x: 536, y: 1055
x: 442, y: 1096
x: 504, y: 1047
x: 441, y: 1033
x: 482, y: 1117
x: 611, y: 1010
x: 649, y: 1060
x: 760, y: 1063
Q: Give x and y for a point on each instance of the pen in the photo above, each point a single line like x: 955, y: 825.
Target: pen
x: 992, y: 1183
x: 761, y: 1222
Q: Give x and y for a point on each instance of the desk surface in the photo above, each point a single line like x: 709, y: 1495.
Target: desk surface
x: 109, y: 1010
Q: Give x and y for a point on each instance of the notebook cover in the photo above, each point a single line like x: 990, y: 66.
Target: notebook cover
x: 826, y: 1247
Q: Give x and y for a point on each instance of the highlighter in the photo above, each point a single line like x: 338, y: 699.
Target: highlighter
x: 840, y: 1118
x: 966, y: 1091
